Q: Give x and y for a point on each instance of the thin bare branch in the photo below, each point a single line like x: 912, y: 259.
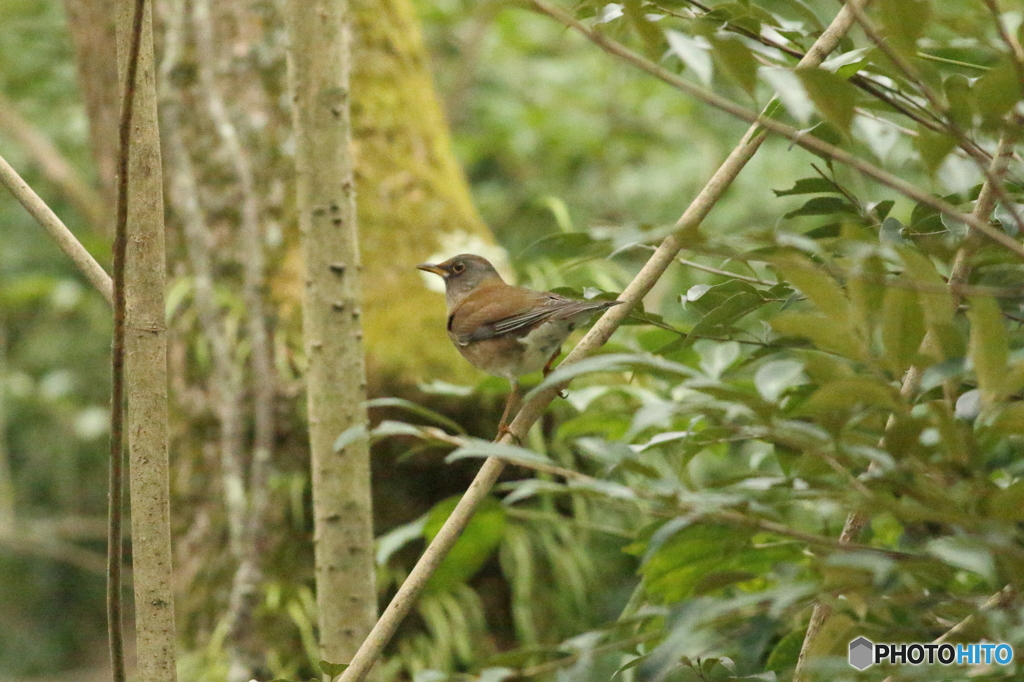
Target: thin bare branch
x: 67, y: 241
x: 983, y: 206
x: 724, y: 273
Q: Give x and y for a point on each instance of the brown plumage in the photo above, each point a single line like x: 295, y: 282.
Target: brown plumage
x: 505, y: 330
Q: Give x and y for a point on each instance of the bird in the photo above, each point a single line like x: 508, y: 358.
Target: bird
x: 506, y: 331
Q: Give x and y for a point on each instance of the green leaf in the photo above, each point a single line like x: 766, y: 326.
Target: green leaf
x: 350, y: 436
x: 738, y: 62
x: 933, y: 147
x: 891, y: 231
x: 477, y: 543
x: 959, y: 98
x: 834, y: 97
x: 1007, y: 503
x: 649, y: 32
x: 882, y: 208
x: 823, y: 206
x: 845, y: 394
x: 965, y: 553
x: 773, y: 378
x: 612, y: 362
x: 692, y: 53
x: 866, y: 288
x: 821, y: 331
x: 902, y: 328
x: 730, y: 310
x: 397, y: 538
x: 418, y: 410
x: 476, y: 447
x: 332, y: 669
x: 719, y: 579
x: 989, y: 347
x: 903, y: 21
x: 997, y: 91
x: 815, y: 284
x: 936, y: 300
x: 683, y: 555
x: 496, y: 675
x: 808, y: 186
x: 703, y: 298
x: 786, y: 653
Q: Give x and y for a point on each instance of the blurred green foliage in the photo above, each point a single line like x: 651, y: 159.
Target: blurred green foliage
x: 54, y: 348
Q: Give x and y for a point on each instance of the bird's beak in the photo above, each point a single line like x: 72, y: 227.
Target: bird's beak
x: 427, y: 267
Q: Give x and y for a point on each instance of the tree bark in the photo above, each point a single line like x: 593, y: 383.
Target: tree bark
x: 146, y: 365
x: 336, y: 376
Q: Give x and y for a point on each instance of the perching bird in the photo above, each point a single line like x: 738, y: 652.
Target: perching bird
x: 506, y: 331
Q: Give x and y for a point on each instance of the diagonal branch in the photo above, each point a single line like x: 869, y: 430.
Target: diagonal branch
x: 65, y: 239
x: 659, y: 262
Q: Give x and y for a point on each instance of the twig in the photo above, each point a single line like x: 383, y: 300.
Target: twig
x: 663, y: 257
x: 67, y: 241
x: 960, y: 270
x: 725, y: 273
x: 115, y: 629
x: 800, y: 138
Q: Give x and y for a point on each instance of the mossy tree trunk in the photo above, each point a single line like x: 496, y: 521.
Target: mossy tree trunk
x: 414, y: 200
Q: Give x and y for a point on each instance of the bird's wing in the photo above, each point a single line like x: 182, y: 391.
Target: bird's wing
x: 538, y: 307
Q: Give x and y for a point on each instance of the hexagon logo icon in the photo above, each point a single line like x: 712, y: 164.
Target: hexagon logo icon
x: 861, y: 653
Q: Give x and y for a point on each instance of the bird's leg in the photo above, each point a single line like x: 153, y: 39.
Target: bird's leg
x: 512, y: 398
x: 548, y: 369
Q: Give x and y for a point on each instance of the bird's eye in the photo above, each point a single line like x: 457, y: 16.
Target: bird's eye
x: 458, y: 268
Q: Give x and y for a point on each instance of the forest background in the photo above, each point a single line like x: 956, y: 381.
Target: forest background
x: 816, y: 411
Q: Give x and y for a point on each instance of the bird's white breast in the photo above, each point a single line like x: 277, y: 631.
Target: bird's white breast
x: 540, y: 344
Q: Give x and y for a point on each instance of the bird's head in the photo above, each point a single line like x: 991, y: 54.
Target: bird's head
x: 462, y: 274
